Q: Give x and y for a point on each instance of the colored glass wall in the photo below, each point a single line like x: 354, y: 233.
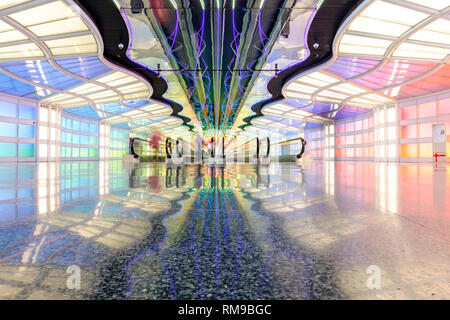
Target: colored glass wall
x: 315, y: 139
x: 79, y: 138
x: 119, y: 141
x: 415, y: 126
x: 355, y: 138
x: 17, y: 129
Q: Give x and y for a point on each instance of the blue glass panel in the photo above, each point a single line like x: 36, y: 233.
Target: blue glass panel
x: 26, y: 112
x: 41, y: 72
x: 75, y: 125
x: 124, y: 125
x: 26, y: 131
x: 76, y: 139
x: 137, y: 103
x: 18, y: 88
x: 8, y: 129
x: 8, y: 109
x: 84, y: 127
x: 93, y: 140
x: 86, y: 67
x: 93, y: 127
x: 84, y: 140
x: 114, y: 107
x: 347, y: 67
x: 347, y: 112
x: 69, y: 123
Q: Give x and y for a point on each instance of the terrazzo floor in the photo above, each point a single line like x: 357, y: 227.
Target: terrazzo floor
x: 322, y: 230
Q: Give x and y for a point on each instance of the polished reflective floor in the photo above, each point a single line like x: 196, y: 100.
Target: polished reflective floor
x: 323, y: 230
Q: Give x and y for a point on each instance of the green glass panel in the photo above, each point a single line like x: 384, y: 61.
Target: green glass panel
x: 8, y: 149
x: 26, y: 150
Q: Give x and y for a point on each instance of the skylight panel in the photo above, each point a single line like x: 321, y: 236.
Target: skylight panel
x: 293, y: 94
x: 42, y: 14
x: 111, y: 77
x: 87, y: 88
x: 295, y: 86
x: 104, y: 94
x: 73, y: 45
x: 332, y: 94
x: 300, y: 113
x: 68, y: 25
x: 122, y: 81
x: 12, y: 35
x: 323, y: 77
x: 280, y: 107
x: 5, y: 27
x: 411, y: 50
x: 363, y: 45
x: 10, y: 3
x: 394, y: 13
x: 348, y: 88
x: 377, y: 26
x: 27, y: 50
x: 437, y: 32
x: 434, y: 4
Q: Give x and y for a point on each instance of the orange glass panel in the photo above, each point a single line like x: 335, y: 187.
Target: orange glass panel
x: 358, y: 125
x: 370, y: 152
x: 425, y: 130
x: 358, y: 138
x: 408, y: 150
x: 340, y: 140
x: 408, y: 113
x: 408, y: 132
x: 358, y: 152
x: 340, y: 128
x: 340, y: 153
x: 427, y: 109
x: 444, y: 106
x: 425, y: 150
x: 371, y: 122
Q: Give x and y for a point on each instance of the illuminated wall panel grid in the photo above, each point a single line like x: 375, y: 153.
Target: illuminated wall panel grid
x: 417, y: 117
x: 119, y: 142
x: 16, y: 202
x: 79, y: 138
x: 315, y: 138
x: 355, y: 138
x: 17, y: 129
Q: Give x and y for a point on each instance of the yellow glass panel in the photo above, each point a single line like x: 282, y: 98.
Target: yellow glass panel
x: 73, y: 45
x: 12, y: 35
x: 409, y: 150
x: 411, y: 50
x: 10, y: 3
x: 48, y: 12
x: 27, y: 50
x: 68, y: 25
x: 425, y: 150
